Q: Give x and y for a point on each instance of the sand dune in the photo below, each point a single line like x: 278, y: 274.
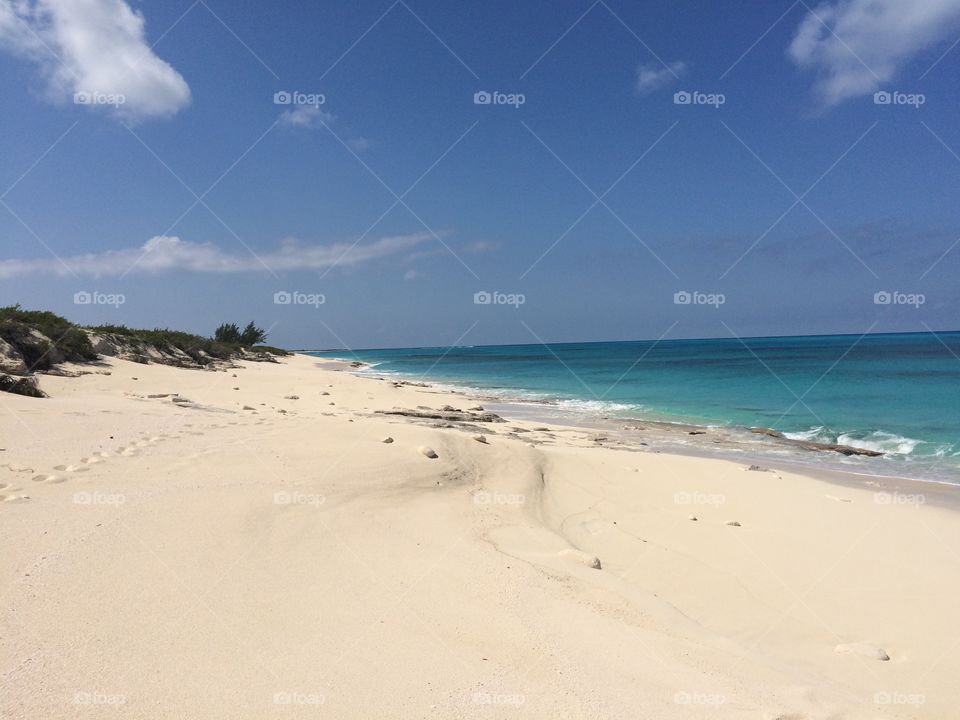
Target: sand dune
x: 176, y: 547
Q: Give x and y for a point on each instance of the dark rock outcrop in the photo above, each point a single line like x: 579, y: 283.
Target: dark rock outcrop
x: 21, y: 386
x: 454, y: 416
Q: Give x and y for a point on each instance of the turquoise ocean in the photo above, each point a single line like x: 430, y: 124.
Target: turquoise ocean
x: 897, y: 393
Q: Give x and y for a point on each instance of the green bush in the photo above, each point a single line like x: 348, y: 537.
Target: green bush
x: 69, y: 342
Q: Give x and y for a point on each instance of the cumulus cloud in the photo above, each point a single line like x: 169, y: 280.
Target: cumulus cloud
x: 654, y: 76
x: 854, y: 46
x: 93, y: 52
x: 163, y: 253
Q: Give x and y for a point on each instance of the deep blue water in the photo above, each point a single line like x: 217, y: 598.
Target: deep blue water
x: 897, y: 393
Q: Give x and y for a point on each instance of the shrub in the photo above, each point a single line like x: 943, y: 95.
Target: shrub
x: 68, y: 342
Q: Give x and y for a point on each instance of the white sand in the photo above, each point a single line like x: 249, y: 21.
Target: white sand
x: 198, y: 560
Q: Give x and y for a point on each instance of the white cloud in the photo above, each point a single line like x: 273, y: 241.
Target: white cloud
x: 311, y: 116
x: 654, y: 76
x: 855, y: 46
x: 306, y: 116
x: 93, y: 47
x: 163, y: 253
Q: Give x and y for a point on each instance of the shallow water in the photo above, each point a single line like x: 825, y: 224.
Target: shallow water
x: 899, y: 394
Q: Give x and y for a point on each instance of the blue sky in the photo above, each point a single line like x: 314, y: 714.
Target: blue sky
x: 781, y: 200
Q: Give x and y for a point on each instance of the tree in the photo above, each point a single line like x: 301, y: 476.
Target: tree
x: 228, y: 333
x: 252, y: 335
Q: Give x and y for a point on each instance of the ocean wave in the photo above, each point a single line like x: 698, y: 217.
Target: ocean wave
x: 818, y: 434
x: 881, y: 441
x: 878, y: 440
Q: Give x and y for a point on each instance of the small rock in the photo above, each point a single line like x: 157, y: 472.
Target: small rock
x: 290, y: 397
x: 732, y: 523
x: 591, y: 561
x: 427, y: 452
x: 324, y: 393
x: 387, y: 439
x: 692, y: 517
x: 180, y: 400
x: 864, y: 649
x: 758, y: 468
x: 480, y: 439
x: 247, y: 407
x: 476, y: 408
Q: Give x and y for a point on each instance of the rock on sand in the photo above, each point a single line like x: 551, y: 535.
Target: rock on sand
x: 591, y: 561
x: 864, y: 649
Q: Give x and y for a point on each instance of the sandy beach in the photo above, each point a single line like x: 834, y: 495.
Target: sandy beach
x: 185, y: 543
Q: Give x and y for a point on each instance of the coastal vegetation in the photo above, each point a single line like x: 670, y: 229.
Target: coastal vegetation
x: 38, y: 341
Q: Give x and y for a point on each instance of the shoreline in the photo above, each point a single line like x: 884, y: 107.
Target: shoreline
x: 724, y: 442
x: 283, y: 530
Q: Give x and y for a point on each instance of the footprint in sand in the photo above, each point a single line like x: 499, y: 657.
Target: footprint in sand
x: 13, y: 467
x: 70, y: 468
x: 90, y: 460
x: 12, y: 498
x: 49, y: 479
